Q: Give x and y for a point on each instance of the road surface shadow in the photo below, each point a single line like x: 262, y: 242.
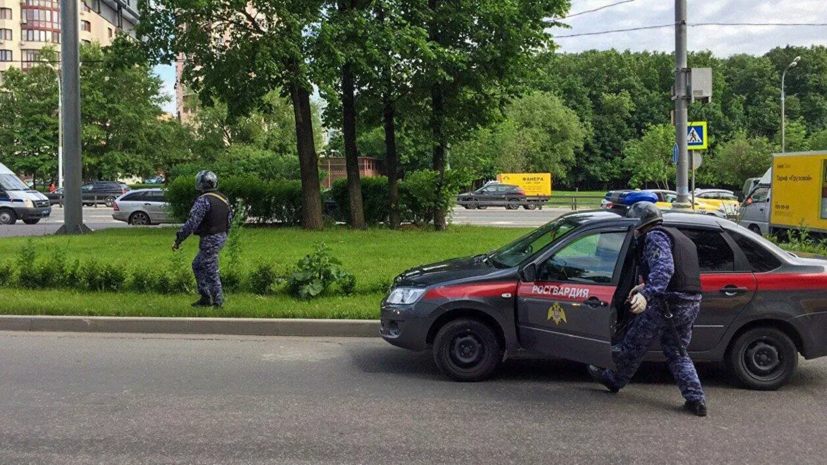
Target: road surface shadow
x: 530, y: 368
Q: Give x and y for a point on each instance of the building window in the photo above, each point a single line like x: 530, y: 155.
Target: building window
x: 30, y: 35
x: 5, y: 34
x: 5, y: 55
x: 110, y: 32
x: 42, y: 19
x: 86, y: 7
x: 86, y: 26
x: 5, y: 13
x: 45, y: 3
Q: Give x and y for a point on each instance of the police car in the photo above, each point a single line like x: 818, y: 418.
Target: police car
x: 561, y: 291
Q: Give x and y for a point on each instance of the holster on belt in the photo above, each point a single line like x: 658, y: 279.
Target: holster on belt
x: 673, y: 330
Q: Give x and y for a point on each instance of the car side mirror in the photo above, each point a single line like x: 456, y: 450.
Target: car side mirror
x: 528, y: 273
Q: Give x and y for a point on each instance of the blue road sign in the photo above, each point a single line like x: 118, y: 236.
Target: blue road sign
x: 675, y: 154
x: 696, y: 136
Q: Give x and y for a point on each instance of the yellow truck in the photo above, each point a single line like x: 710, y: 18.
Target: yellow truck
x: 534, y: 184
x: 792, y: 195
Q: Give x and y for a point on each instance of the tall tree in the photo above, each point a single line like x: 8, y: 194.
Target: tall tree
x: 239, y: 51
x: 29, y: 121
x: 479, y: 51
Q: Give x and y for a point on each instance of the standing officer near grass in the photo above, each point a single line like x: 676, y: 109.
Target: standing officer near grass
x: 210, y: 218
x: 667, y: 304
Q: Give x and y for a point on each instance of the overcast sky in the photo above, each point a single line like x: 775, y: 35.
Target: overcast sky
x: 721, y: 40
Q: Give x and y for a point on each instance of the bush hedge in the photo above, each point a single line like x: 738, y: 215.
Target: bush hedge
x: 374, y: 198
x: 265, y: 201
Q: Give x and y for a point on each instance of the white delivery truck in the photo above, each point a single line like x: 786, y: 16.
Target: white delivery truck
x: 792, y: 195
x: 18, y: 202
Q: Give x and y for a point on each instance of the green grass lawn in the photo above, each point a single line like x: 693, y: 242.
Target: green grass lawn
x: 375, y: 257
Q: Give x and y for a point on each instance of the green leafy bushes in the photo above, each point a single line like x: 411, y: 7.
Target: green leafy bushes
x: 265, y: 201
x: 374, y: 198
x: 312, y: 277
x: 318, y: 271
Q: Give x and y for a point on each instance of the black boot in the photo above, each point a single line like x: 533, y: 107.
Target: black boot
x: 203, y: 302
x: 218, y: 305
x: 696, y: 407
x: 597, y: 375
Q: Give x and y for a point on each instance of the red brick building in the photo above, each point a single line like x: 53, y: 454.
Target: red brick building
x: 335, y: 169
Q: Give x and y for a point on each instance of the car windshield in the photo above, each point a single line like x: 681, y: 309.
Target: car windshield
x: 516, y: 252
x: 10, y: 182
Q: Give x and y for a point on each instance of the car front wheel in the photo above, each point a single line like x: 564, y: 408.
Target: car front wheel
x: 32, y: 221
x: 763, y: 359
x: 109, y: 201
x: 467, y: 350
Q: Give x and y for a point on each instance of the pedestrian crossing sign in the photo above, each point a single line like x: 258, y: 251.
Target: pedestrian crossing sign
x: 696, y: 136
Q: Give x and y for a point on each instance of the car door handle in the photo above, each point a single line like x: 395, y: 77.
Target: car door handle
x: 733, y: 290
x: 594, y: 302
x: 147, y: 204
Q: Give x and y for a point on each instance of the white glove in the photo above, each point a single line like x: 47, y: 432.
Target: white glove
x: 635, y: 290
x: 638, y: 303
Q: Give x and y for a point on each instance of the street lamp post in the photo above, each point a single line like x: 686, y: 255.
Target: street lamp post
x: 59, y: 131
x: 792, y: 65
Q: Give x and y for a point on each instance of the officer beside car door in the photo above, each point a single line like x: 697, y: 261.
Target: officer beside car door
x: 666, y: 305
x: 210, y: 218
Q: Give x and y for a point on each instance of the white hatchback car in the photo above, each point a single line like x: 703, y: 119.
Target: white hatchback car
x: 142, y: 207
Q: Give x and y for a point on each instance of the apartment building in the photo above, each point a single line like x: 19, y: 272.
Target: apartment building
x: 27, y: 26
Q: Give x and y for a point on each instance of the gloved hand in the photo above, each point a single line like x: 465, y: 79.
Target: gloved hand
x: 175, y: 246
x: 638, y: 303
x: 635, y: 290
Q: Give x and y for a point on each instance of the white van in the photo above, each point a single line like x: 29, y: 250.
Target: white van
x: 18, y: 202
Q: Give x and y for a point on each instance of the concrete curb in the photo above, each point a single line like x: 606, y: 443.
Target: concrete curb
x: 219, y: 326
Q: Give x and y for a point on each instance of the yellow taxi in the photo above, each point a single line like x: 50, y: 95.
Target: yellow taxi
x: 666, y: 197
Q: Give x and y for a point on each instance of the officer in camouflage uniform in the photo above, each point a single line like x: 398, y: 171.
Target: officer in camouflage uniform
x: 668, y: 261
x: 210, y: 218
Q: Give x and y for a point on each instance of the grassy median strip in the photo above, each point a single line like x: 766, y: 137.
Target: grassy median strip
x: 374, y: 257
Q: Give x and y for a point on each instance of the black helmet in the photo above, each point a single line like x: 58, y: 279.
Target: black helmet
x: 206, y: 181
x: 647, y: 213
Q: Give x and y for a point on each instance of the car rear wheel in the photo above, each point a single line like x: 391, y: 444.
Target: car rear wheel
x: 512, y: 204
x: 467, y: 350
x: 7, y: 216
x: 763, y: 359
x: 139, y: 219
x: 32, y: 221
x: 109, y: 201
x: 530, y: 206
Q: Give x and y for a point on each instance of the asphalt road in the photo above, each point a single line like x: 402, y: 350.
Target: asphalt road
x: 497, y: 216
x: 136, y: 399
x: 96, y: 218
x: 101, y: 218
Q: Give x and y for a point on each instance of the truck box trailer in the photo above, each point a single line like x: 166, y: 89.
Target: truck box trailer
x: 798, y: 196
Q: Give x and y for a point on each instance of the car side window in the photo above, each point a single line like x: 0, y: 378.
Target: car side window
x: 714, y: 253
x: 156, y: 197
x: 87, y: 187
x: 760, y: 259
x: 761, y: 195
x: 589, y: 259
x: 133, y: 197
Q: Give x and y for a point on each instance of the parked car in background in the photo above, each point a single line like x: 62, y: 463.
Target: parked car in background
x: 621, y: 200
x: 155, y: 180
x: 500, y: 195
x: 56, y: 197
x: 18, y: 202
x: 104, y: 192
x: 722, y: 198
x: 142, y: 207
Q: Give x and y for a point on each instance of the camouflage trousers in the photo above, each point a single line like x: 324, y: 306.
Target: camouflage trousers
x: 649, y: 326
x: 205, y: 266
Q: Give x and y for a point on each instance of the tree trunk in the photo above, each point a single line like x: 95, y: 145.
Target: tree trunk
x: 354, y: 186
x: 437, y: 120
x: 308, y: 163
x: 392, y: 159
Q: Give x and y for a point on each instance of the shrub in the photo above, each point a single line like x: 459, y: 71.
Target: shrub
x: 374, y: 198
x: 91, y: 275
x: 265, y: 201
x: 52, y: 271
x: 178, y: 278
x: 418, y: 196
x: 263, y: 279
x: 112, y: 277
x: 27, y: 272
x: 6, y: 274
x: 316, y: 272
x: 72, y: 277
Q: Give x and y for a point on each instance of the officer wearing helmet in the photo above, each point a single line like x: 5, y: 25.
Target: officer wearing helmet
x: 666, y: 303
x: 210, y: 218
